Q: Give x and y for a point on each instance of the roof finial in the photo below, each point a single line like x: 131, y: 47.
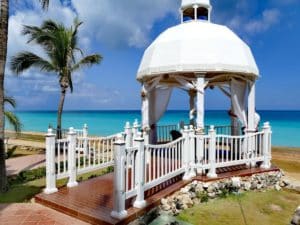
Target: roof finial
x: 195, y: 10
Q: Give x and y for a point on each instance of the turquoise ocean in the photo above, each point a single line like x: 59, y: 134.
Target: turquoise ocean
x: 285, y: 124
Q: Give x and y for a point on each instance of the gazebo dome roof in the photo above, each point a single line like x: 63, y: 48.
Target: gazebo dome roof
x: 197, y: 47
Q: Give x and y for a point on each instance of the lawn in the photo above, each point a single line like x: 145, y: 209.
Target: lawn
x: 270, y: 207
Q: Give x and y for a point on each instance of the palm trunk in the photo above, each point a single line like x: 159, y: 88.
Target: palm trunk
x: 59, y: 112
x: 3, y: 52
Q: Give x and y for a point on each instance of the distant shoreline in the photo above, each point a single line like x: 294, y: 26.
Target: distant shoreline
x: 10, y: 132
x: 138, y: 110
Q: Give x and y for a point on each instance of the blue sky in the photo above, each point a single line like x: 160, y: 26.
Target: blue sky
x: 121, y: 31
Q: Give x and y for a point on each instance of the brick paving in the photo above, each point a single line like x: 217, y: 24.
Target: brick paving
x: 34, y: 214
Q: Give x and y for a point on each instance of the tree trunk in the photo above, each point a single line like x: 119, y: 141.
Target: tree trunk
x: 59, y: 112
x: 3, y: 52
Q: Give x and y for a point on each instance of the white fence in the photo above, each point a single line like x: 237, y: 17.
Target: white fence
x: 74, y: 155
x: 147, y: 166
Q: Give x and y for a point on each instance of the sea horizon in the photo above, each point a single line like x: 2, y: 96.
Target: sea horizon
x: 285, y: 123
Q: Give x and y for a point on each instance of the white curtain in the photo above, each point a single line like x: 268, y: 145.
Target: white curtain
x: 158, y: 103
x: 238, y: 94
x: 159, y: 100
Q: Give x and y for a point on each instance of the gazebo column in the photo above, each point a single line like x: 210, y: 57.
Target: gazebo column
x: 200, y: 119
x: 145, y: 114
x: 251, y: 122
x: 192, y: 94
x: 200, y: 100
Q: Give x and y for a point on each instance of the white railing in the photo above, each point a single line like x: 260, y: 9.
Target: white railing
x: 147, y: 166
x: 97, y: 153
x: 163, y: 162
x: 61, y: 159
x: 74, y: 155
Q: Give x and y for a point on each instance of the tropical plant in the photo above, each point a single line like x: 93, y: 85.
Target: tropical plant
x: 4, y: 14
x: 64, y: 56
x: 10, y: 116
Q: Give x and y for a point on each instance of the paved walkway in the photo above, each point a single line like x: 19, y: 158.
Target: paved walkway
x: 34, y: 214
x: 18, y: 164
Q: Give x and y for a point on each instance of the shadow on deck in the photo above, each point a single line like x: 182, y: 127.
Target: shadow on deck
x: 92, y: 200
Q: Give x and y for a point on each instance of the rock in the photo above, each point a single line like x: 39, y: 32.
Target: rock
x: 236, y: 182
x: 254, y: 185
x: 259, y: 186
x: 184, y: 190
x: 166, y: 207
x: 211, y: 195
x: 247, y: 186
x: 296, y: 218
x: 186, y: 200
x: 277, y: 188
x: 205, y: 186
x: 210, y: 189
x: 199, y: 188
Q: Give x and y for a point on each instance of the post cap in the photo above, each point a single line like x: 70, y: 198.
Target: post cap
x: 139, y: 137
x: 127, y: 125
x: 50, y: 132
x: 266, y: 125
x: 136, y: 123
x: 212, y: 128
x: 120, y: 140
x: 71, y: 130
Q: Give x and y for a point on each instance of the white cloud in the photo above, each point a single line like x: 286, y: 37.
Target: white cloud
x: 122, y: 23
x: 268, y: 19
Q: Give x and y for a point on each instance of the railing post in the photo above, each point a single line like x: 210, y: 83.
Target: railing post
x: 50, y: 163
x: 72, y: 170
x: 191, y: 151
x: 199, y: 149
x: 212, y: 153
x: 140, y: 172
x: 185, y: 154
x: 85, y: 141
x: 128, y: 135
x: 267, y: 146
x: 135, y: 128
x: 119, y: 211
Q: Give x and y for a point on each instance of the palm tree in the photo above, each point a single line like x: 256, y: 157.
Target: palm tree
x: 4, y: 13
x: 62, y: 50
x: 3, y: 52
x: 10, y: 116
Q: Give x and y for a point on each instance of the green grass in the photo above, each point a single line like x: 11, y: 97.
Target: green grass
x: 26, y: 136
x: 270, y: 207
x: 24, y: 191
x: 287, y: 166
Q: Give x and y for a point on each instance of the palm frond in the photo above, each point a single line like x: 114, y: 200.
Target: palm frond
x: 10, y: 100
x: 25, y: 60
x: 13, y: 120
x: 88, y: 61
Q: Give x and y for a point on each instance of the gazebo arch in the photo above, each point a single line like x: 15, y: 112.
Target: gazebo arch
x: 193, y: 56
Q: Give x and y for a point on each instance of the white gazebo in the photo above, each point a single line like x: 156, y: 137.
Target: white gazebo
x: 195, y: 55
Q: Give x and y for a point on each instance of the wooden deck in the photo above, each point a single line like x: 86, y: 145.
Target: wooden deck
x: 91, y: 200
